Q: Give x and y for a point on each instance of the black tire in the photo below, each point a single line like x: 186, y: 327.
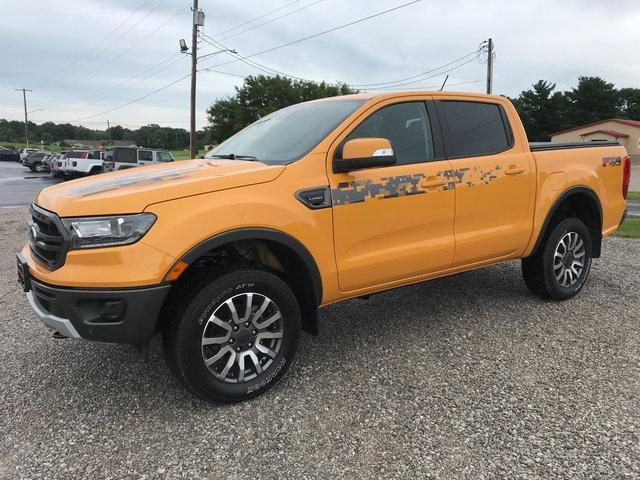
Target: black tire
x: 538, y: 270
x: 189, y: 315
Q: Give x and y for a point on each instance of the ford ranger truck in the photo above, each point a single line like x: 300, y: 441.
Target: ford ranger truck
x: 228, y: 257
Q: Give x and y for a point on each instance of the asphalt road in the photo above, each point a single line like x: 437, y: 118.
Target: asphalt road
x: 465, y: 377
x: 18, y: 184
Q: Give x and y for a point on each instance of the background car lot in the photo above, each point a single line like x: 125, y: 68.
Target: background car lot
x: 18, y: 185
x: 464, y: 377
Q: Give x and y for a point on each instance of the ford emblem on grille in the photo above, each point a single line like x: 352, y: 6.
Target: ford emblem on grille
x: 33, y: 233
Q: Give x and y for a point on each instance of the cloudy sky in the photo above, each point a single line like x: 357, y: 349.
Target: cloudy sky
x: 85, y: 59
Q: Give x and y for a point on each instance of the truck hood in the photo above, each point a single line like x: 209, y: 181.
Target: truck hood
x: 132, y: 190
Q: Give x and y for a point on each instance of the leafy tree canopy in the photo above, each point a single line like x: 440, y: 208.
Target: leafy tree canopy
x: 259, y: 96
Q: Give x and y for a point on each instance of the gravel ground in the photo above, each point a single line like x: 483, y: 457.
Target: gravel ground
x: 465, y: 377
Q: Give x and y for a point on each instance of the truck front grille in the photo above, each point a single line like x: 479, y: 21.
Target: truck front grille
x: 47, y: 239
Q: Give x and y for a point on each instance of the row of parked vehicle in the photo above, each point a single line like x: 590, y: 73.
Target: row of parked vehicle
x: 76, y: 163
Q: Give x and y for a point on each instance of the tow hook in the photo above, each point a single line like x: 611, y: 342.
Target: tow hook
x: 58, y: 336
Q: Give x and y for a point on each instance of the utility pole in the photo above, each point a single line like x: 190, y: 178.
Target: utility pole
x: 109, y: 130
x: 489, y: 66
x: 26, y: 122
x: 194, y: 63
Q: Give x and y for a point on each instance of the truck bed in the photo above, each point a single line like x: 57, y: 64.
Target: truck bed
x: 542, y: 146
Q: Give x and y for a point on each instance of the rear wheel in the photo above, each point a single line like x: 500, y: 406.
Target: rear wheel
x: 234, y: 336
x: 38, y: 167
x: 560, y: 268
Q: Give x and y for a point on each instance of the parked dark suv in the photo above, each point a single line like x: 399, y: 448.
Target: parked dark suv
x: 9, y: 154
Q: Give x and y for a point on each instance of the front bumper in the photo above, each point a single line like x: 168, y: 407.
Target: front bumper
x: 102, y: 315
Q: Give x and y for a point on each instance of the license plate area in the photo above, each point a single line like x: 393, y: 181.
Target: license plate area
x: 23, y: 273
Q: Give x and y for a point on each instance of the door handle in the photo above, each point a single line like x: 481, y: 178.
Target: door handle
x: 514, y: 170
x: 434, y: 182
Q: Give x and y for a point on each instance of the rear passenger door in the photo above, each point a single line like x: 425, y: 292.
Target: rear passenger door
x: 493, y: 177
x: 394, y: 222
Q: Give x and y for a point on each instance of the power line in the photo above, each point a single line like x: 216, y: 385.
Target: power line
x: 308, y: 37
x: 256, y: 18
x: 424, y: 78
x: 144, y: 38
x: 392, y: 83
x: 263, y: 68
x: 164, y: 87
x: 99, y: 94
x: 105, y: 38
x: 475, y: 52
x: 271, y: 20
x: 139, y: 76
x: 324, y: 32
x: 429, y: 87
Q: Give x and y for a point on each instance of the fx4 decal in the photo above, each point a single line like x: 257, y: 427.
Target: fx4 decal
x: 611, y: 161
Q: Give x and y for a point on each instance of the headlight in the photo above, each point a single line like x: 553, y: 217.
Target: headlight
x: 91, y: 232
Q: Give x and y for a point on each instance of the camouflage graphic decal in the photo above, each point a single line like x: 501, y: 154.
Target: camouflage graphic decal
x: 391, y: 187
x: 611, y: 161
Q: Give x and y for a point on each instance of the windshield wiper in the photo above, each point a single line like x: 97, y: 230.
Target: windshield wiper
x: 233, y: 156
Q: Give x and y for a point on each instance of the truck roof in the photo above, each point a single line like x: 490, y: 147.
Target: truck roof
x: 402, y: 93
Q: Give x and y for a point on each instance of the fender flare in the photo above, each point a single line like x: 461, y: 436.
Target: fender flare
x: 275, y: 236
x: 556, y: 204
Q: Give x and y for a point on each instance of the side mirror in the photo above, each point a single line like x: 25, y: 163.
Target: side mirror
x: 362, y: 153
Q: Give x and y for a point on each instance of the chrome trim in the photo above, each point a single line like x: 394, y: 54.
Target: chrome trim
x: 62, y: 325
x: 383, y: 152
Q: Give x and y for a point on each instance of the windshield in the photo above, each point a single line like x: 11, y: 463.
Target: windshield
x: 288, y: 134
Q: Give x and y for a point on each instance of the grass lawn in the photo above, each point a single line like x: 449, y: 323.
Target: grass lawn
x: 629, y: 229
x: 185, y: 154
x: 634, y: 196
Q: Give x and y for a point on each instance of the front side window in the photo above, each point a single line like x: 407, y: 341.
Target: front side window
x: 165, y: 157
x: 286, y: 135
x: 406, y: 126
x: 475, y: 128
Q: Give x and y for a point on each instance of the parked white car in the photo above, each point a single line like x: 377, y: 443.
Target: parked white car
x: 25, y: 152
x: 83, y: 162
x: 120, y: 158
x: 58, y: 164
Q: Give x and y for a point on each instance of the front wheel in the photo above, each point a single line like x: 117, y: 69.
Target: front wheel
x: 560, y: 268
x: 234, y: 336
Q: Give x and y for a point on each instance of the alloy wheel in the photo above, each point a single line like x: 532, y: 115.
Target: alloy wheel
x: 242, y: 337
x: 569, y: 259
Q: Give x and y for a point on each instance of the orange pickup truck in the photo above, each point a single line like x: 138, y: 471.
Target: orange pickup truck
x: 230, y: 256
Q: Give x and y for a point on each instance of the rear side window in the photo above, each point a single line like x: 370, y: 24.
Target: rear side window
x: 126, y: 155
x: 146, y: 155
x: 77, y: 154
x: 475, y: 128
x: 406, y: 126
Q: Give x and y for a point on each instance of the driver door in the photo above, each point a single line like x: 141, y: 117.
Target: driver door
x: 394, y: 222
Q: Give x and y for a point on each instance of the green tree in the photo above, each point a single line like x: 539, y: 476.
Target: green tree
x: 592, y: 100
x: 630, y: 98
x: 47, y: 138
x: 116, y: 132
x: 542, y: 110
x: 259, y: 96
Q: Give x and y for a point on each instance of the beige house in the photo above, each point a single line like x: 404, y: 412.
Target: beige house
x: 625, y: 132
